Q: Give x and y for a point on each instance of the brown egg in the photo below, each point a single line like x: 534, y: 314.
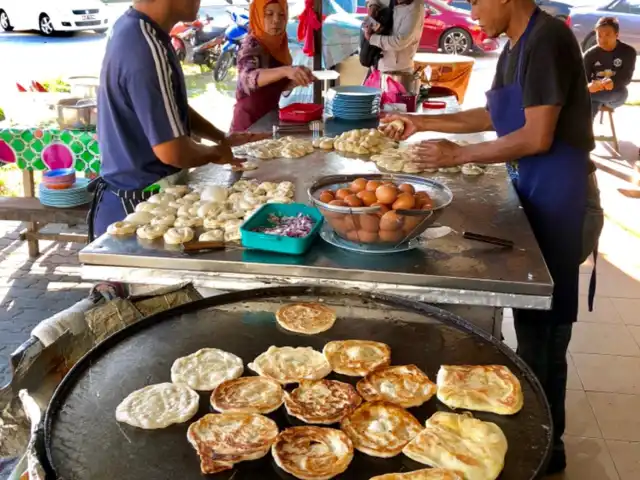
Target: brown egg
x: 387, y: 194
x: 337, y: 223
x: 353, y: 201
x: 391, y: 221
x: 405, y: 201
x: 332, y: 214
x: 391, y: 235
x: 351, y: 222
x: 369, y: 222
x: 341, y: 193
x: 326, y: 196
x: 358, y: 185
x: 411, y: 222
x: 383, y: 208
x: 407, y: 188
x: 368, y: 198
x: 367, y: 237
x: 372, y: 185
x: 353, y: 236
x: 422, y: 199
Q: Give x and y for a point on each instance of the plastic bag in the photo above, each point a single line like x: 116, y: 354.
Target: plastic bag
x: 392, y: 91
x: 373, y: 79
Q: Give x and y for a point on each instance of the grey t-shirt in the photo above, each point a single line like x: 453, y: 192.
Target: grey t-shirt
x: 552, y: 74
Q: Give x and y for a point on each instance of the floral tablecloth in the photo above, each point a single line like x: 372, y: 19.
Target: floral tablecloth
x: 35, y: 148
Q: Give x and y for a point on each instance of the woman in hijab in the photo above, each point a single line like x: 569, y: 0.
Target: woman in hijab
x: 264, y: 64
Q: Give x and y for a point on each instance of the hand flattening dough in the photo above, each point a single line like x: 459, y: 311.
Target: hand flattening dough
x: 158, y: 406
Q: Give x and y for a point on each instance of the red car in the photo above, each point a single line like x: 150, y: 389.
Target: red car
x: 449, y: 30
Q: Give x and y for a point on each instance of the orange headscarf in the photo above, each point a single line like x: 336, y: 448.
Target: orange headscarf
x: 276, y: 45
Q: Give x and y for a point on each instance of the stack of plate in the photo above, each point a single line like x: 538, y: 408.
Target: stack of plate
x: 353, y: 102
x: 71, y: 197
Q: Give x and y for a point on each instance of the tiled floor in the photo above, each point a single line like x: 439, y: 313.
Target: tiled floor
x: 603, y: 396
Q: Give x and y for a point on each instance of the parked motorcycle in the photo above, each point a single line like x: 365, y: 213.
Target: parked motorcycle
x: 233, y: 37
x: 199, y: 42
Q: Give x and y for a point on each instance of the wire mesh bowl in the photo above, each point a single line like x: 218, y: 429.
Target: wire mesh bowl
x: 377, y: 225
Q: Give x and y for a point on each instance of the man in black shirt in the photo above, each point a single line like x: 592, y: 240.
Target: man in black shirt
x: 539, y: 106
x: 609, y: 66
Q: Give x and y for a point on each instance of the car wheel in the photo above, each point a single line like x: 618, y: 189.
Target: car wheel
x: 46, y: 27
x: 100, y: 31
x: 589, y: 42
x: 456, y: 41
x: 5, y: 24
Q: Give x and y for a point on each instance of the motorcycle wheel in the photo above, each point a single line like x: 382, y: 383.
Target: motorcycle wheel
x: 222, y: 66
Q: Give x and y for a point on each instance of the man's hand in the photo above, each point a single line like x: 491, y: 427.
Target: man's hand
x: 368, y: 31
x: 607, y: 84
x: 439, y: 154
x: 222, y: 155
x: 595, y: 86
x: 390, y: 126
x: 299, y: 76
x: 240, y: 138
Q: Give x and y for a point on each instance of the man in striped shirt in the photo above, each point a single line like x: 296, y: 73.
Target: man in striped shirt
x: 144, y: 120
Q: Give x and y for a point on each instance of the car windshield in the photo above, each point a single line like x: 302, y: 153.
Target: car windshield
x: 625, y: 6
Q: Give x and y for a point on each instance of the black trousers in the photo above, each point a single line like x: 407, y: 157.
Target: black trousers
x: 543, y: 346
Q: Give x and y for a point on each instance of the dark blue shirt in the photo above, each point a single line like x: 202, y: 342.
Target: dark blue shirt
x: 142, y: 102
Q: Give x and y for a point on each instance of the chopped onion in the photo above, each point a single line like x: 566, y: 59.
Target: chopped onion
x: 296, y: 227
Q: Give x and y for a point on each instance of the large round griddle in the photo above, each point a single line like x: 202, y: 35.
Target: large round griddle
x: 84, y: 441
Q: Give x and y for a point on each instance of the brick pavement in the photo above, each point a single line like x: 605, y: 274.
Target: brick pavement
x: 31, y: 291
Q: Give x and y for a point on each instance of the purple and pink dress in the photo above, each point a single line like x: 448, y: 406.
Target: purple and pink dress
x: 254, y: 102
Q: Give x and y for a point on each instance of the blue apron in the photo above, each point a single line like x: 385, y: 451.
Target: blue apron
x: 552, y: 190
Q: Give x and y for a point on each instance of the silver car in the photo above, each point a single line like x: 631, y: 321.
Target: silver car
x: 583, y: 19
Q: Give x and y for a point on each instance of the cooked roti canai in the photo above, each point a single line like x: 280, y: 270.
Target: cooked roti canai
x: 206, y: 368
x: 321, y: 401
x: 462, y: 443
x: 404, y: 385
x: 312, y: 453
x: 307, y: 318
x: 224, y: 439
x: 487, y: 388
x: 356, y: 358
x: 248, y: 395
x: 158, y: 406
x: 380, y: 429
x: 291, y: 365
x: 424, y: 474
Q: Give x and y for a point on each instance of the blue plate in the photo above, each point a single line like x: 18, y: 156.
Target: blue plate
x: 356, y: 90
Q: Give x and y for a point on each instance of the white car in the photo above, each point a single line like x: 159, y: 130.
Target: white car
x: 50, y: 17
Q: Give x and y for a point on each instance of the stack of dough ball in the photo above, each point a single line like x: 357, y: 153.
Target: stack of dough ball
x: 366, y: 141
x: 324, y: 143
x: 178, y: 211
x: 287, y: 147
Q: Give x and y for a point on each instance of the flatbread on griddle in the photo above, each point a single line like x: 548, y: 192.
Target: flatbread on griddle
x: 158, y: 406
x: 307, y: 318
x: 356, y: 357
x: 486, y: 388
x: 248, y: 395
x: 424, y: 474
x: 291, y: 364
x: 380, y: 429
x: 404, y: 385
x: 312, y: 453
x: 321, y: 401
x: 474, y: 448
x: 206, y: 369
x: 224, y: 439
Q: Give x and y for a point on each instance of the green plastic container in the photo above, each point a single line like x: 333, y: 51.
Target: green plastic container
x: 278, y: 243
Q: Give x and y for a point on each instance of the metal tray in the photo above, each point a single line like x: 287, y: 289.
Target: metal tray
x: 84, y: 441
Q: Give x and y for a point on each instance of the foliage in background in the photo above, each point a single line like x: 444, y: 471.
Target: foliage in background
x: 1, y: 115
x: 57, y: 86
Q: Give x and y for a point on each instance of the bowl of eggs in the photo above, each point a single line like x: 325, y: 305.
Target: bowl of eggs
x: 379, y: 209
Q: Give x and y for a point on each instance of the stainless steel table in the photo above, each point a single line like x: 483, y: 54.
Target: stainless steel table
x: 447, y: 271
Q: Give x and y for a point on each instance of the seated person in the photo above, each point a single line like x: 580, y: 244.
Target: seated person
x: 609, y: 66
x: 264, y: 64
